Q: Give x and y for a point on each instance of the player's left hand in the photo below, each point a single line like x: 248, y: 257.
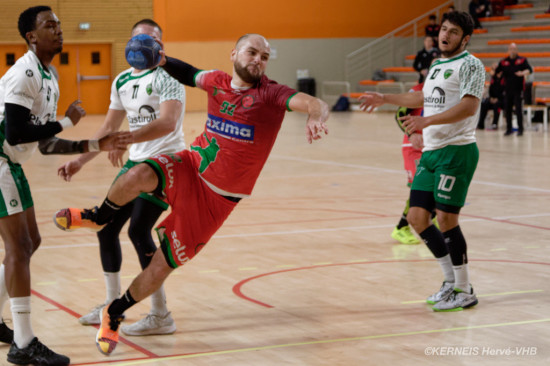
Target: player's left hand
x: 314, y: 129
x: 413, y: 123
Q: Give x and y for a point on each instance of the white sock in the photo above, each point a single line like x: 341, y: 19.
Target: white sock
x: 112, y: 285
x: 3, y: 291
x: 158, y: 302
x: 21, y: 313
x: 447, y: 268
x: 462, y: 279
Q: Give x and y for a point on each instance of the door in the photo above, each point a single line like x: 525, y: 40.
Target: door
x: 85, y: 74
x: 9, y: 54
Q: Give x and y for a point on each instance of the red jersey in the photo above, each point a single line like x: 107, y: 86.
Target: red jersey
x: 240, y: 131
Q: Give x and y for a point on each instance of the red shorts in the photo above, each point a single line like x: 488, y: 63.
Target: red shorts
x: 411, y: 157
x: 197, y: 211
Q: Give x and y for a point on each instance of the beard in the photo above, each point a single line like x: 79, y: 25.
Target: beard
x: 245, y: 75
x: 452, y: 51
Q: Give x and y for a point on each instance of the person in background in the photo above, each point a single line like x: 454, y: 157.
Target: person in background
x: 424, y: 58
x: 514, y: 69
x: 432, y: 29
x: 494, y: 101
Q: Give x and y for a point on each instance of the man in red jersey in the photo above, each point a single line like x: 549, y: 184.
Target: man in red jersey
x: 203, y: 184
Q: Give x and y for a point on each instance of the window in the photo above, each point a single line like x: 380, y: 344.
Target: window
x: 64, y: 58
x: 95, y: 58
x: 10, y: 59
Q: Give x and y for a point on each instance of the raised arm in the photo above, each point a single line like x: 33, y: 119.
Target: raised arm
x: 370, y: 101
x: 318, y: 113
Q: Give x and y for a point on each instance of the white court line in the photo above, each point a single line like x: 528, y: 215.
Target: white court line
x: 393, y: 171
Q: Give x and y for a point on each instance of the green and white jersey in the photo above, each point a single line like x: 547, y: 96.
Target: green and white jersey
x: 140, y: 94
x: 28, y: 84
x: 447, y: 82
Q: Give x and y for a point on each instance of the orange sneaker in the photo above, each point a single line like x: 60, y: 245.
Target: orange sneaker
x: 107, y: 335
x: 69, y: 219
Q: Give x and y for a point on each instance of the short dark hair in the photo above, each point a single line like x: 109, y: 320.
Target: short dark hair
x: 461, y: 19
x: 148, y: 21
x: 432, y: 16
x: 27, y: 19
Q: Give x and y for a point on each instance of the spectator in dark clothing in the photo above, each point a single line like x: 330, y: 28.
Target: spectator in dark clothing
x: 478, y: 9
x: 432, y: 29
x: 424, y: 58
x: 514, y: 69
x: 495, y: 100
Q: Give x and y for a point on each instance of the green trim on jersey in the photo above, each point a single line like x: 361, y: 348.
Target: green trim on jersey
x: 195, y: 76
x: 146, y: 196
x: 123, y: 79
x: 288, y: 102
x: 165, y: 247
x: 43, y: 73
x: 439, y: 62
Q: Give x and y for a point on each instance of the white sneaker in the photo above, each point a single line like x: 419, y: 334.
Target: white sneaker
x: 457, y: 301
x: 92, y: 318
x: 151, y: 324
x: 444, y: 292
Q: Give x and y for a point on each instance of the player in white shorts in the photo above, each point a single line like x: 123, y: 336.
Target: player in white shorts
x: 153, y: 103
x: 28, y: 104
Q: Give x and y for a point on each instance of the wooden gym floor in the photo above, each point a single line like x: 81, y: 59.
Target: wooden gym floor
x: 305, y: 271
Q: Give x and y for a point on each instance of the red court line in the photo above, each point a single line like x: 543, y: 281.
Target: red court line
x: 237, y: 289
x: 76, y: 315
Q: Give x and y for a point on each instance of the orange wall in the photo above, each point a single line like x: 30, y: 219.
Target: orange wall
x: 218, y: 20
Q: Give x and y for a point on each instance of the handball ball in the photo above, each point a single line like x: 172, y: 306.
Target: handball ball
x: 142, y: 52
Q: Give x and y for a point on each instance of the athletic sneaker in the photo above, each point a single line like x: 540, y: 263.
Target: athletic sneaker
x: 458, y: 300
x: 444, y: 292
x: 404, y: 235
x: 6, y: 334
x: 151, y: 324
x: 93, y: 317
x: 436, y: 223
x: 69, y: 219
x: 107, y: 335
x: 36, y: 354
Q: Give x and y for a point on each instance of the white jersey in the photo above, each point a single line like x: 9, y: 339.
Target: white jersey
x: 27, y: 84
x: 447, y: 82
x: 140, y: 94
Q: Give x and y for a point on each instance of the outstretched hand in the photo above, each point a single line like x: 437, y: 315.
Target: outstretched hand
x: 370, y: 101
x: 67, y: 170
x: 115, y: 140
x: 314, y: 128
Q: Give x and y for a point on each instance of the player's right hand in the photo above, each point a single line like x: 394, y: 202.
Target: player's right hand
x: 75, y: 112
x: 370, y: 101
x: 116, y: 157
x: 70, y: 168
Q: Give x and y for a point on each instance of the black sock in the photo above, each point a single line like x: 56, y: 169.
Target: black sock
x: 403, y: 222
x: 119, y: 306
x: 435, y: 241
x: 106, y: 212
x: 457, y: 246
